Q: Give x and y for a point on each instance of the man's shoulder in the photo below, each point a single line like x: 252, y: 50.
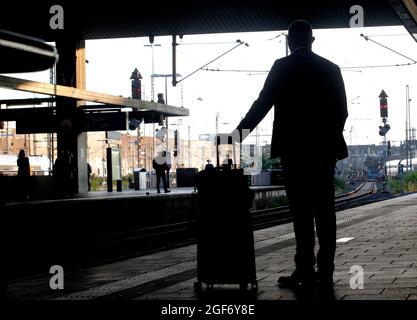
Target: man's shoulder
x: 325, y: 61
x: 294, y: 59
x: 282, y: 60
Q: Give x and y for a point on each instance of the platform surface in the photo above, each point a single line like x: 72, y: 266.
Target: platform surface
x: 126, y: 194
x: 379, y: 238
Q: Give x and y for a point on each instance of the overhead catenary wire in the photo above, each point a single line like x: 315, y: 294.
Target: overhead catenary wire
x: 218, y: 57
x: 276, y: 37
x: 235, y: 70
x: 389, y: 35
x: 367, y: 38
x: 378, y: 66
x: 346, y: 68
x: 260, y: 72
x: 205, y: 43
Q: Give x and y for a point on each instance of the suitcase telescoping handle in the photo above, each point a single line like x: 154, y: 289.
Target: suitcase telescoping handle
x: 229, y: 141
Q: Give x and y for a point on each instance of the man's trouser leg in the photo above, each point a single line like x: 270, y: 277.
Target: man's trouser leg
x: 158, y: 181
x: 326, y: 220
x: 303, y: 219
x: 164, y: 181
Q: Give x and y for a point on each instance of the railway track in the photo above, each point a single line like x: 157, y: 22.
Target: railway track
x: 275, y: 216
x: 155, y: 238
x: 134, y: 242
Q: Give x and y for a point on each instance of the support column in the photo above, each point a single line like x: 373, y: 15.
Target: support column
x: 70, y: 71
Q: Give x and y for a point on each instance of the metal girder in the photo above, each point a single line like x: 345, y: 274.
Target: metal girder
x: 21, y: 53
x: 26, y: 102
x: 33, y: 114
x: 148, y: 116
x: 91, y: 96
x: 98, y: 118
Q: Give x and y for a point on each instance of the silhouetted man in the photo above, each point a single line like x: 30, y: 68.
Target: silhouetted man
x: 310, y: 112
x: 89, y: 170
x: 23, y: 174
x: 63, y: 173
x: 168, y: 166
x: 209, y: 166
x: 160, y: 166
x: 227, y: 163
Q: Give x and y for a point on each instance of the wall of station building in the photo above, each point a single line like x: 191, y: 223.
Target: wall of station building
x: 135, y: 153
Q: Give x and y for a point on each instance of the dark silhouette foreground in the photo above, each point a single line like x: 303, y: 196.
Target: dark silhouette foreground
x: 310, y: 112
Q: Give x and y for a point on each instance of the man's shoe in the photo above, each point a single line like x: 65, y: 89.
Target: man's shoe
x: 296, y: 281
x: 287, y: 282
x: 167, y: 191
x: 326, y: 283
x: 325, y: 280
x: 326, y: 292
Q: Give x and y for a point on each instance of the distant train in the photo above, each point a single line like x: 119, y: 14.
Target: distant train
x: 39, y: 165
x: 392, y: 166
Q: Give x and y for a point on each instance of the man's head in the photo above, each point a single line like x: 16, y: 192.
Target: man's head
x: 300, y: 34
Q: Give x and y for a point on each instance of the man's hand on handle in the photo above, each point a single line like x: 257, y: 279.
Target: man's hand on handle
x: 233, y: 137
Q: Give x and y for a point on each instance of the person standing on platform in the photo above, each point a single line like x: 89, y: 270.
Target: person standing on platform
x: 168, y: 166
x: 310, y: 112
x: 63, y: 173
x: 89, y: 170
x: 228, y: 162
x: 209, y: 166
x: 23, y: 173
x: 160, y: 166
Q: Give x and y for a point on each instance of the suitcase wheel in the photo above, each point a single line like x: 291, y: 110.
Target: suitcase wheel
x: 243, y: 286
x: 197, y: 286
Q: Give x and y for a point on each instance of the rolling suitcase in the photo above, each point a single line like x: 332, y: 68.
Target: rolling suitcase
x: 225, y: 243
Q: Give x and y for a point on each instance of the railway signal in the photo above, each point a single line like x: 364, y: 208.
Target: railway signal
x: 383, y: 104
x: 136, y: 78
x: 384, y: 129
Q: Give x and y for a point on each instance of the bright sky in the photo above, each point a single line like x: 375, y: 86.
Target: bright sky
x: 205, y: 93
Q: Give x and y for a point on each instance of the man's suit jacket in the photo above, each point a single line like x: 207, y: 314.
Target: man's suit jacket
x: 310, y: 107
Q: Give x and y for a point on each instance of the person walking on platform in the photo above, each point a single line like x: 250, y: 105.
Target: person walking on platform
x: 89, y: 170
x: 23, y: 173
x: 310, y: 112
x: 160, y: 166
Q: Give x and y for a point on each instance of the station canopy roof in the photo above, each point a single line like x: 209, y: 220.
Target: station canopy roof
x: 23, y: 23
x: 126, y: 18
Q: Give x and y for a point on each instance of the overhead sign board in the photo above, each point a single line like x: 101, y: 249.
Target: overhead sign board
x: 104, y: 121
